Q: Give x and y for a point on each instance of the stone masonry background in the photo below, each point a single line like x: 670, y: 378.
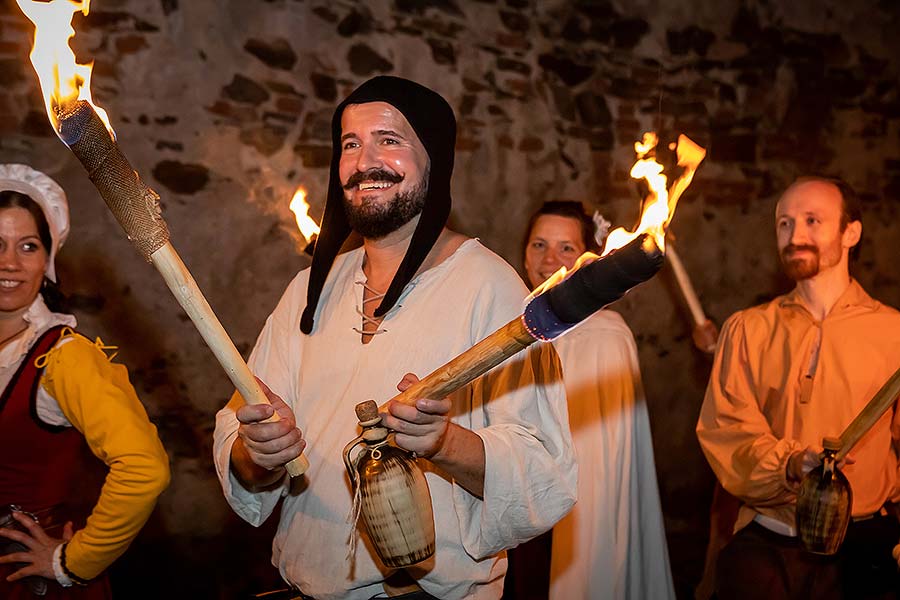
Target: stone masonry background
x: 224, y: 107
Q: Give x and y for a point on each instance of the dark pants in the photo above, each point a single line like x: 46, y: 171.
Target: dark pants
x: 528, y: 571
x: 760, y: 564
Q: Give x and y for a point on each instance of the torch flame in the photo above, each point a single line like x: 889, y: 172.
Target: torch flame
x: 660, y: 206
x: 63, y: 80
x: 308, y: 228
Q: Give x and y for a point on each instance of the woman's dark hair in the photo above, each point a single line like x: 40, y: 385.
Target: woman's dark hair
x: 572, y: 210
x: 53, y: 297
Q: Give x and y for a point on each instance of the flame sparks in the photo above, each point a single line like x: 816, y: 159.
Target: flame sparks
x: 660, y: 206
x: 63, y: 80
x: 308, y: 228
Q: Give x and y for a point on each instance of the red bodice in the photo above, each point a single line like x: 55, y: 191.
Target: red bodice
x: 41, y: 469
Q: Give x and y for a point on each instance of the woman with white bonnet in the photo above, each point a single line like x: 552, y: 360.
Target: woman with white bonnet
x: 612, y: 545
x: 64, y: 404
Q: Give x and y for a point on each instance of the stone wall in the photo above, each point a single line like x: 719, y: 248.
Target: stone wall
x: 224, y: 107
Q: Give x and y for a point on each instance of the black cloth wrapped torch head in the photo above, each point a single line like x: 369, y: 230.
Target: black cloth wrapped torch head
x: 591, y: 287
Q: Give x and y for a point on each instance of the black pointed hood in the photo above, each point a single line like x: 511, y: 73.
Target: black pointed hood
x: 432, y: 119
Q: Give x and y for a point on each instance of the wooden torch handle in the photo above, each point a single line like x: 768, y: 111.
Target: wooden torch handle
x: 685, y: 284
x: 185, y: 290
x: 870, y: 414
x: 704, y: 332
x: 489, y: 352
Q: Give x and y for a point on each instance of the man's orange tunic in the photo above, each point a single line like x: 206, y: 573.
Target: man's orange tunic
x: 782, y: 381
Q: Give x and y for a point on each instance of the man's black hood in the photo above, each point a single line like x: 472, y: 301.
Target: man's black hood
x: 432, y: 119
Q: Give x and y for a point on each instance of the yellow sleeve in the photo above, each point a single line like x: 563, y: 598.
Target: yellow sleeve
x: 97, y: 398
x: 734, y: 434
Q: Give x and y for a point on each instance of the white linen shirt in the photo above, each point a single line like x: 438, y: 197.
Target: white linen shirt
x: 613, y: 543
x: 518, y: 409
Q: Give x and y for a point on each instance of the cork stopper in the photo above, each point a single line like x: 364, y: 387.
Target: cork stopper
x: 370, y: 420
x: 366, y: 411
x: 832, y: 444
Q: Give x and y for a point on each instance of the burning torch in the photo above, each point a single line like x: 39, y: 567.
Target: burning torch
x: 85, y: 129
x: 309, y: 229
x: 390, y: 492
x: 566, y: 299
x: 705, y: 333
x: 689, y: 156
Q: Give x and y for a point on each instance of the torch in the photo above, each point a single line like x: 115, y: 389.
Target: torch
x: 84, y: 129
x: 566, y: 299
x: 390, y: 490
x: 689, y: 156
x: 548, y: 315
x: 309, y: 229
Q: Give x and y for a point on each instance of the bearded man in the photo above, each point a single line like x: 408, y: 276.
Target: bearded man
x: 786, y: 375
x: 497, y: 454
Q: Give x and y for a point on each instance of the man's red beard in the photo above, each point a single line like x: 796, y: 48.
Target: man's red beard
x: 800, y: 268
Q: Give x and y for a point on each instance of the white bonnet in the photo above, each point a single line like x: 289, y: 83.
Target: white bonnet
x: 48, y: 195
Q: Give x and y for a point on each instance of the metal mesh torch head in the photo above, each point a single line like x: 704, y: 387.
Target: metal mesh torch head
x: 134, y: 205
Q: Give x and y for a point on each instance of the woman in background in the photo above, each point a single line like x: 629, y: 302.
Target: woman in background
x: 62, y: 400
x: 612, y: 545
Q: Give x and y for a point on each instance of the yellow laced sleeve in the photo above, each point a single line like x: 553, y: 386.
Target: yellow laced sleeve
x: 96, y: 396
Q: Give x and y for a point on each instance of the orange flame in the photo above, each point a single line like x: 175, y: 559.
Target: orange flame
x: 300, y: 208
x: 660, y: 206
x: 63, y: 80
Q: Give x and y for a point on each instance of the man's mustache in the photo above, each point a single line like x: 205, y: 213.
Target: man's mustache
x: 792, y: 248
x: 372, y: 175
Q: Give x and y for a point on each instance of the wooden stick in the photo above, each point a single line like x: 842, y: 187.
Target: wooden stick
x: 870, y: 414
x: 185, y: 290
x: 704, y: 332
x: 581, y: 294
x: 136, y: 207
x: 684, y: 284
x: 489, y: 352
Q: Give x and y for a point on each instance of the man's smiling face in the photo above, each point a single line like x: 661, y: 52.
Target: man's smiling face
x: 383, y: 169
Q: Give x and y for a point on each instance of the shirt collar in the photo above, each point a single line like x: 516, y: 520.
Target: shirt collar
x: 426, y: 275
x: 39, y: 319
x: 854, y: 295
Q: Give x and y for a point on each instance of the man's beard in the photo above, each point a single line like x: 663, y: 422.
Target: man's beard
x: 799, y: 269
x: 374, y: 220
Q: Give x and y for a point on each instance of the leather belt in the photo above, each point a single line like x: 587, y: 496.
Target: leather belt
x: 879, y: 513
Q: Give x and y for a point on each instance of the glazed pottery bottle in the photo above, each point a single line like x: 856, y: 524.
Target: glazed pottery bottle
x: 391, y: 493
x: 824, y: 503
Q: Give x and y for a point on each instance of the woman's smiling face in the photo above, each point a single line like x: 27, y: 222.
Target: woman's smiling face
x: 23, y: 259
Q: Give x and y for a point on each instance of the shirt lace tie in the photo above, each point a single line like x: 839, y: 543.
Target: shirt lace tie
x: 376, y: 295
